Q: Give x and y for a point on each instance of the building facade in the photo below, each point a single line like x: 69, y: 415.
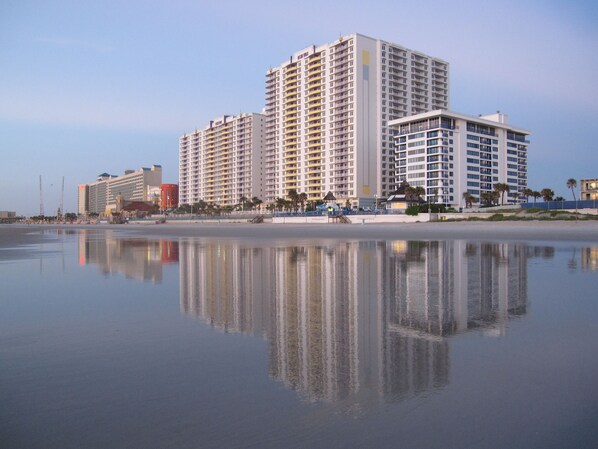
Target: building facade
x: 449, y: 154
x: 327, y: 114
x: 169, y: 196
x: 588, y: 189
x: 134, y: 185
x: 222, y: 162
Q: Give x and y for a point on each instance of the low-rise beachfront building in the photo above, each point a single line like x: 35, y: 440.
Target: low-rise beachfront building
x: 222, y: 162
x: 133, y: 185
x: 169, y: 196
x: 450, y: 154
x: 588, y: 189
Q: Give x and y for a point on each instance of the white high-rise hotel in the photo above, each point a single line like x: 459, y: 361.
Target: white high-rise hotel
x: 327, y: 114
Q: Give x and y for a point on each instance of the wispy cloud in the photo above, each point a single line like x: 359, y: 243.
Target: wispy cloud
x: 73, y: 44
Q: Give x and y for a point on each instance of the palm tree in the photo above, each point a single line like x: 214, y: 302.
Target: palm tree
x: 501, y: 188
x: 255, y: 202
x: 489, y: 197
x: 572, y: 184
x: 536, y: 195
x: 302, y: 198
x: 293, y: 198
x: 527, y: 192
x: 547, y: 194
x: 468, y: 198
x: 242, y: 201
x: 419, y: 192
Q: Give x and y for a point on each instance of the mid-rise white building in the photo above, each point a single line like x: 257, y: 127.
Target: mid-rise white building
x: 222, y: 162
x: 449, y: 154
x: 134, y: 185
x: 327, y: 114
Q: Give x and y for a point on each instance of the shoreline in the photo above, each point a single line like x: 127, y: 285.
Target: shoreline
x: 16, y: 234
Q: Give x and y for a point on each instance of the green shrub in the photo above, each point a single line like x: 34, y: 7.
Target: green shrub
x: 434, y: 208
x: 412, y: 210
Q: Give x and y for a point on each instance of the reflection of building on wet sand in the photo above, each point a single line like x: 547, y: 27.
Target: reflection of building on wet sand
x: 589, y: 259
x: 352, y: 320
x: 140, y: 259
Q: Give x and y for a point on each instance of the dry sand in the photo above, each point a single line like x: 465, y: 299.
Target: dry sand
x: 14, y: 235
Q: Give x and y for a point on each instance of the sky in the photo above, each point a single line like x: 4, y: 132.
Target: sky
x: 104, y: 86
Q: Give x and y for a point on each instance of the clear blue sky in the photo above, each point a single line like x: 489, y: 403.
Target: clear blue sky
x: 104, y: 86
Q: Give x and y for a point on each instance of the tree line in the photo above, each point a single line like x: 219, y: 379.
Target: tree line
x: 492, y: 197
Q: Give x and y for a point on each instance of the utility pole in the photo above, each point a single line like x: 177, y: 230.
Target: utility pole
x: 62, y: 198
x: 41, y: 198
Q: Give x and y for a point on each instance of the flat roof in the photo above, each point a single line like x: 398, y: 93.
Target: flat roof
x: 445, y: 113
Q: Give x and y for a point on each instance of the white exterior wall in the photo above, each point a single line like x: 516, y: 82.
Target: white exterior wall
x: 364, y: 83
x: 222, y: 162
x: 464, y: 166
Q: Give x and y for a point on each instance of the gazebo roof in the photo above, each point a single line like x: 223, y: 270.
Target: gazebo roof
x: 329, y: 197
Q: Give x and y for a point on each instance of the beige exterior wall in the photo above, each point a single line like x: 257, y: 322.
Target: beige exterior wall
x: 97, y: 196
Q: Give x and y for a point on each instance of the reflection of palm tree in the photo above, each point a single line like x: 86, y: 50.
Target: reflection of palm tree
x: 572, y: 264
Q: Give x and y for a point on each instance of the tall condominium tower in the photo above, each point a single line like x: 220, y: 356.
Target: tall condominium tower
x: 222, y: 162
x: 449, y: 154
x: 327, y: 113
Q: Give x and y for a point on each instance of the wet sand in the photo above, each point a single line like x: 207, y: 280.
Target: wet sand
x: 16, y: 235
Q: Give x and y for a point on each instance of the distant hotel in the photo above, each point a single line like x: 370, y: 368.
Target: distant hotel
x: 327, y: 114
x: 588, y: 189
x: 140, y: 185
x: 222, y: 162
x: 449, y: 154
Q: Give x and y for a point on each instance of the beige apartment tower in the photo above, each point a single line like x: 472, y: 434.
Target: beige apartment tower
x: 327, y: 114
x: 222, y: 162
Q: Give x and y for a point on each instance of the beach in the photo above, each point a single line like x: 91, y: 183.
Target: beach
x: 582, y: 231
